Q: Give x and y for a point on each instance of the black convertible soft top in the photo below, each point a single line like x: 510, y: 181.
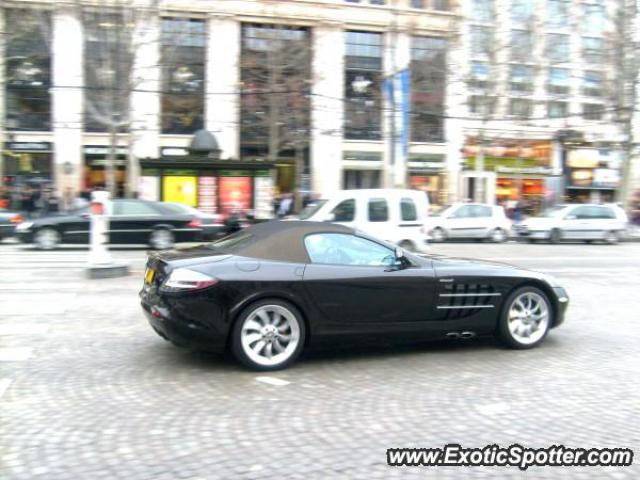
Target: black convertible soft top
x: 276, y: 240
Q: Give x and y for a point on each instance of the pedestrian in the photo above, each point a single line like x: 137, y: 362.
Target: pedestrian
x: 286, y: 205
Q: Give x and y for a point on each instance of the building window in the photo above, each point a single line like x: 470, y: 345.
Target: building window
x: 558, y: 109
x: 592, y: 85
x: 482, y: 10
x: 108, y: 65
x: 558, y: 13
x: 356, y: 179
x: 479, y: 78
x: 28, y: 69
x: 557, y: 48
x: 481, y: 40
x: 363, y: 106
x: 183, y: 58
x: 275, y: 74
x: 521, y: 45
x: 558, y: 81
x: 593, y: 50
x: 594, y: 18
x: 441, y: 5
x: 377, y: 2
x: 521, y: 78
x: 522, y: 10
x: 417, y: 3
x: 482, y: 105
x: 520, y: 108
x: 428, y: 86
x: 592, y: 111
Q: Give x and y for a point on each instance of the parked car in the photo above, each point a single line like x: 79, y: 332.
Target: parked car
x: 585, y: 222
x: 395, y: 215
x: 130, y: 222
x: 271, y: 290
x: 212, y: 226
x: 8, y: 222
x: 479, y: 221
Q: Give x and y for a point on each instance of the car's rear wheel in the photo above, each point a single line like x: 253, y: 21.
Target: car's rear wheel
x: 438, y: 235
x: 611, y: 237
x: 526, y: 318
x: 46, y: 238
x: 269, y: 335
x: 407, y: 245
x: 161, y: 239
x: 498, y: 235
x: 555, y: 236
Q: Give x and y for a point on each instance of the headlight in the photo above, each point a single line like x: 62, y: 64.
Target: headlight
x: 183, y: 280
x: 24, y: 226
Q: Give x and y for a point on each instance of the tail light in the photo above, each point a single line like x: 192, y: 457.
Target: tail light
x: 184, y: 279
x: 16, y: 219
x: 195, y: 223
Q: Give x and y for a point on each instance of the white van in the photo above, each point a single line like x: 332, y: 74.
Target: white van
x: 395, y: 215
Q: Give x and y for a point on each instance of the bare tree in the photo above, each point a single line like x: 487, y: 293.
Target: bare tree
x: 276, y: 80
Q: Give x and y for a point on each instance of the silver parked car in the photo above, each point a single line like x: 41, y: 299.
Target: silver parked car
x: 470, y: 220
x: 585, y: 222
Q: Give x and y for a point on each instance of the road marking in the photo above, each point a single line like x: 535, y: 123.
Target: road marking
x: 16, y: 354
x: 23, y: 329
x: 5, y: 383
x: 278, y: 382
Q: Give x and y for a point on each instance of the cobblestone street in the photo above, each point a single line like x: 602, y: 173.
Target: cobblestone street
x: 88, y: 390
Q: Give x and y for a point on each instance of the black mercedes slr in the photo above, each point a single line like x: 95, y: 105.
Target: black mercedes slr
x: 271, y: 290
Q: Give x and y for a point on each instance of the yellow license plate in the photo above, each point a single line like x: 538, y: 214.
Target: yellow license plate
x: 148, y: 276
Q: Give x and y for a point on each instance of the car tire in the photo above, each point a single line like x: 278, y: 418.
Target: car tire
x: 519, y: 326
x: 46, y: 238
x: 555, y: 236
x: 263, y: 328
x: 438, y: 235
x: 611, y: 237
x: 498, y: 235
x: 161, y: 239
x: 407, y: 245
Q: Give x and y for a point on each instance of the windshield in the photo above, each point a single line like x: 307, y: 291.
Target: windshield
x: 309, y: 210
x: 554, y: 212
x: 179, y: 208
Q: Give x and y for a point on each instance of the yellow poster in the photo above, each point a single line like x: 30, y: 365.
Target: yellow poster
x: 180, y: 190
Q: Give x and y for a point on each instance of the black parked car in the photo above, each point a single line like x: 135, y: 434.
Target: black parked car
x: 268, y: 291
x: 8, y: 222
x: 131, y: 222
x: 212, y: 227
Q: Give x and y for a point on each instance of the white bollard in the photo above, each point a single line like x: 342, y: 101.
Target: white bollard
x: 100, y: 263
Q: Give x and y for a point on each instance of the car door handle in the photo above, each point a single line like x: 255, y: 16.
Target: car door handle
x: 446, y: 280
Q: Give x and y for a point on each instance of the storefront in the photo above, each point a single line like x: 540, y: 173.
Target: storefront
x: 427, y: 172
x: 362, y: 169
x: 522, y: 171
x: 197, y: 177
x: 96, y: 160
x: 27, y: 163
x: 592, y: 175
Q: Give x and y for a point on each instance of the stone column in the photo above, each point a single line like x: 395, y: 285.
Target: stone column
x: 327, y: 104
x: 67, y: 82
x: 145, y: 96
x: 397, y: 57
x: 223, y: 84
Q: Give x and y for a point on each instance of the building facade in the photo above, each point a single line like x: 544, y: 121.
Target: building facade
x: 541, y: 85
x: 113, y: 96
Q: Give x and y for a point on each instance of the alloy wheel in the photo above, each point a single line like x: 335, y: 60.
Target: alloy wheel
x: 47, y: 239
x: 161, y: 239
x: 528, y: 318
x: 498, y: 235
x: 611, y: 238
x: 438, y: 235
x: 270, y: 335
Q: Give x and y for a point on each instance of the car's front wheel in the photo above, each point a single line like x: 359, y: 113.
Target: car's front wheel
x: 269, y: 335
x: 611, y: 237
x: 526, y: 318
x: 46, y: 238
x: 498, y: 235
x: 438, y: 235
